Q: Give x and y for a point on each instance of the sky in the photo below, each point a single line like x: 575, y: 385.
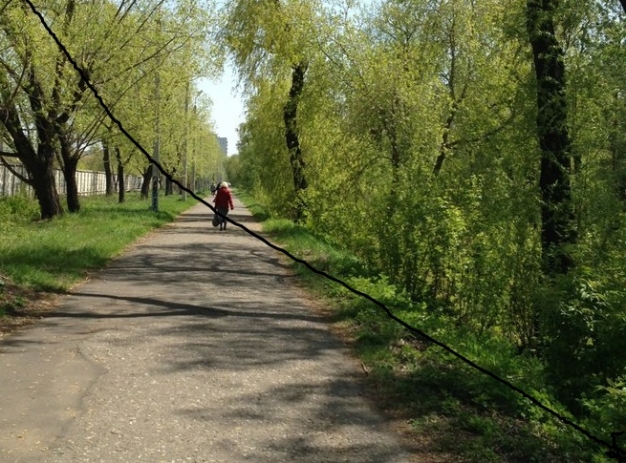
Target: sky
x: 228, y: 109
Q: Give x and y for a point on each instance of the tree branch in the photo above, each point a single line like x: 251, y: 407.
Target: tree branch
x: 11, y: 168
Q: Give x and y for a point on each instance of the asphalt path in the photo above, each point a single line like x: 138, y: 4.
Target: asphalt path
x: 193, y: 346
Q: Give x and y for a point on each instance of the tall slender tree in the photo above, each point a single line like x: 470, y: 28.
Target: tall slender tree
x: 557, y: 214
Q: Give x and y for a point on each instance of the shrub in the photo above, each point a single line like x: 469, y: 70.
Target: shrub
x: 19, y: 208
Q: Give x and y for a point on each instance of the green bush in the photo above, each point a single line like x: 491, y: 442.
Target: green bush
x: 19, y: 208
x: 584, y: 326
x: 607, y: 411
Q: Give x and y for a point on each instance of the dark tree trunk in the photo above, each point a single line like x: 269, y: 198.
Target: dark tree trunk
x: 69, y: 172
x: 390, y: 122
x: 69, y: 164
x: 108, y: 173
x: 45, y: 191
x: 623, y: 2
x: 121, y: 184
x: 145, y: 185
x: 290, y: 113
x: 557, y: 214
x: 617, y: 148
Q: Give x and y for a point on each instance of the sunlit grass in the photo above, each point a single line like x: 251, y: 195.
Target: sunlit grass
x: 259, y: 212
x: 51, y: 255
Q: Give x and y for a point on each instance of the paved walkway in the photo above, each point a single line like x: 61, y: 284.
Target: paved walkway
x: 193, y: 346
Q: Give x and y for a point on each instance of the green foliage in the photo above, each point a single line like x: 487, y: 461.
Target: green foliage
x: 585, y: 324
x: 18, y: 208
x: 126, y: 50
x: 607, y: 410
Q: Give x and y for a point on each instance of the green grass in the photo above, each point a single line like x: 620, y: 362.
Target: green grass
x: 52, y: 255
x: 258, y: 211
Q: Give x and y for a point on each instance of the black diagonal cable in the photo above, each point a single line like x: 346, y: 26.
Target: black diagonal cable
x: 613, y: 450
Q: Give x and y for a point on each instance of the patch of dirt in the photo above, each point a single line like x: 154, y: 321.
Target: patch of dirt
x: 21, y: 307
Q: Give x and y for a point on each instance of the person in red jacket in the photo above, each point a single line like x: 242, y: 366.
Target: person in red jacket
x: 223, y: 200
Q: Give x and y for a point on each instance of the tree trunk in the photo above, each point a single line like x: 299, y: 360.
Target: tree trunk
x: 290, y: 113
x: 445, y: 138
x: 69, y: 172
x: 557, y: 214
x: 46, y: 193
x: 121, y: 184
x: 390, y: 122
x: 108, y: 173
x: 145, y: 185
x: 617, y: 148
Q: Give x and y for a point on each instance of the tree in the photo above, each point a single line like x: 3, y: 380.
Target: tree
x: 557, y: 215
x: 24, y: 111
x: 277, y: 41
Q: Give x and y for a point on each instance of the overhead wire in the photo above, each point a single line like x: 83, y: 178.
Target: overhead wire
x: 613, y: 450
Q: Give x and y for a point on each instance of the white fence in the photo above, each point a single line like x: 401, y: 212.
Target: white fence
x: 88, y: 182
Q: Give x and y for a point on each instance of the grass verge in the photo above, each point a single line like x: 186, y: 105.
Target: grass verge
x: 39, y: 258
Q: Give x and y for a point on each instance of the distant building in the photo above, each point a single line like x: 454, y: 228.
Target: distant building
x: 223, y: 142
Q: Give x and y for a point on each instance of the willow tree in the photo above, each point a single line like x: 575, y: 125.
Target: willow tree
x: 608, y: 57
x: 28, y: 110
x: 582, y: 323
x: 121, y: 39
x: 272, y: 40
x: 262, y: 148
x: 56, y: 92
